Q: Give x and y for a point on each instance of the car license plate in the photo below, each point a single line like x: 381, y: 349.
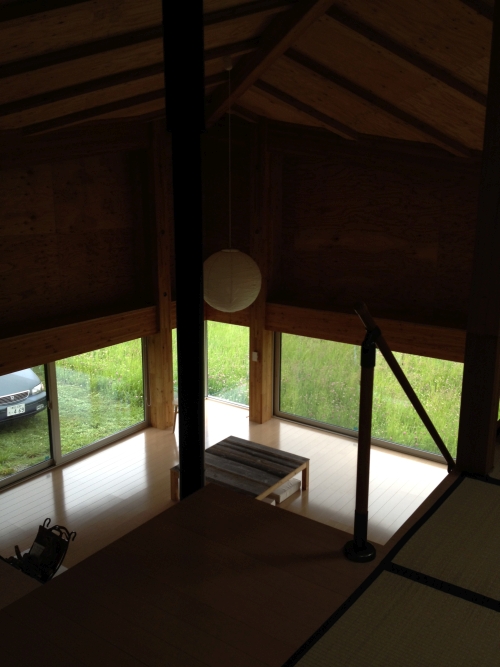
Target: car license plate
x: 15, y: 410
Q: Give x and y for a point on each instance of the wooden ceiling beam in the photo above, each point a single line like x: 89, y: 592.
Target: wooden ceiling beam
x: 481, y: 7
x: 87, y: 114
x: 232, y: 49
x: 124, y: 40
x: 435, y: 135
x: 280, y: 34
x: 24, y: 8
x: 338, y: 127
x: 83, y: 88
x: 405, y: 53
x: 85, y: 50
x: 247, y: 9
x: 127, y: 76
x: 247, y: 115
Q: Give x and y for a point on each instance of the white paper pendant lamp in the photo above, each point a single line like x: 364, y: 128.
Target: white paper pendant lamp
x: 232, y: 280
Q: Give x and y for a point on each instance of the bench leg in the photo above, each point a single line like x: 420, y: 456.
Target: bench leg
x: 305, y: 477
x: 174, y: 485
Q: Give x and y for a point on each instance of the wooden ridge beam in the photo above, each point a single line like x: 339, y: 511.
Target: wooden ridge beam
x: 23, y: 9
x: 481, y: 7
x: 407, y: 54
x: 335, y: 125
x: 280, y: 34
x: 127, y: 76
x: 435, y: 135
x: 106, y: 44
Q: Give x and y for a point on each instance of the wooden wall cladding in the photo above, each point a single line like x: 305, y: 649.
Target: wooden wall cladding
x: 420, y: 339
x: 73, y: 240
x: 18, y: 352
x: 394, y: 231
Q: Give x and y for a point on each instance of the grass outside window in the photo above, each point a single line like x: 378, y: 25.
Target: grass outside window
x: 320, y: 381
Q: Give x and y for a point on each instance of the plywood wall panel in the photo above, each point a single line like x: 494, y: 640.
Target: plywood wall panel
x: 29, y: 277
x: 215, y: 150
x: 397, y: 235
x: 89, y: 194
x: 26, y: 201
x: 73, y: 240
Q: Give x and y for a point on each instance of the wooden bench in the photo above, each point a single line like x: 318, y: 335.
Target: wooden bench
x: 247, y: 467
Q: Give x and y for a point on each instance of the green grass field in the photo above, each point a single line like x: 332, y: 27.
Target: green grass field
x: 227, y: 361
x: 100, y: 393
x: 320, y: 380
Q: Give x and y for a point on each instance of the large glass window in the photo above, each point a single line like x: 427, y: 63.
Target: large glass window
x: 100, y: 393
x: 320, y: 381
x: 24, y: 426
x: 228, y: 350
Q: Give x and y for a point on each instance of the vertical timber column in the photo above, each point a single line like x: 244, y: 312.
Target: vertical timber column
x: 261, y: 340
x: 161, y: 385
x: 480, y: 389
x: 185, y: 111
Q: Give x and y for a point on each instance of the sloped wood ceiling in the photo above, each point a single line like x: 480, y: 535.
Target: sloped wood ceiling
x: 412, y: 70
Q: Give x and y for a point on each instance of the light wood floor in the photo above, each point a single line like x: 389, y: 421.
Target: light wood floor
x: 112, y: 491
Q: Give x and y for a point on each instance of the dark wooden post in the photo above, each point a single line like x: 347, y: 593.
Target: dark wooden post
x: 359, y: 549
x: 185, y: 111
x: 481, y: 381
x: 261, y: 340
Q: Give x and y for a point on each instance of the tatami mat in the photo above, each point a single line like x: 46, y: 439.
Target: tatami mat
x: 400, y: 623
x: 460, y: 542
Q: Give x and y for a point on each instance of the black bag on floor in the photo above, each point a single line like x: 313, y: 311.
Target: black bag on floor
x: 46, y: 554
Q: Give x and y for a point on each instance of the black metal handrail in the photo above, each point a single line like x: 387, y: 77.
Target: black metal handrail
x: 359, y: 549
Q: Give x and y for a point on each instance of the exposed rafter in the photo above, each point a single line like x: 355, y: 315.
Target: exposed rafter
x: 247, y: 115
x: 86, y: 114
x: 233, y: 49
x: 338, y: 127
x: 128, y: 76
x: 281, y: 33
x: 409, y: 55
x: 481, y: 7
x: 24, y: 8
x: 249, y: 8
x: 85, y: 50
x: 124, y: 40
x: 435, y: 135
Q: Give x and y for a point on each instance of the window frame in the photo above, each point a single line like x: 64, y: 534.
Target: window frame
x: 339, y: 430
x: 57, y: 459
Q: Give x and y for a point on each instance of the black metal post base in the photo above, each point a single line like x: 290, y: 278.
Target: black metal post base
x: 359, y: 553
